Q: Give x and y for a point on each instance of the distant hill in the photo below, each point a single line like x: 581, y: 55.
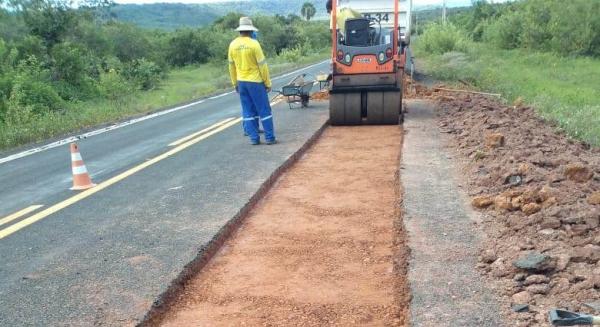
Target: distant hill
x: 175, y: 15
x: 449, y: 4
x: 165, y: 15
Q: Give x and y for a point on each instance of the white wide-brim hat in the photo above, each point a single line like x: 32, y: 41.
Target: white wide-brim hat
x: 246, y: 25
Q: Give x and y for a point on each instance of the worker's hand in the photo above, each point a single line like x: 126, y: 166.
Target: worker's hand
x: 237, y: 90
x: 268, y: 89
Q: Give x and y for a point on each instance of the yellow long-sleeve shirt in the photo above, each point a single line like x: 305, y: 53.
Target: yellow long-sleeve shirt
x: 247, y: 62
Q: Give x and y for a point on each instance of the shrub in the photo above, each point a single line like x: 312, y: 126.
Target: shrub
x: 291, y: 55
x: 276, y: 36
x: 68, y: 62
x: 441, y: 38
x: 129, y: 43
x: 563, y: 27
x: 316, y: 35
x: 218, y: 42
x: 113, y: 86
x: 31, y: 94
x: 296, y: 53
x: 50, y: 20
x: 31, y: 45
x: 144, y: 73
x: 188, y: 47
x: 17, y: 113
x: 575, y: 28
x: 228, y: 22
x: 505, y: 32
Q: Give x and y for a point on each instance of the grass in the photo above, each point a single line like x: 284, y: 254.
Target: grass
x: 181, y: 85
x: 564, y: 90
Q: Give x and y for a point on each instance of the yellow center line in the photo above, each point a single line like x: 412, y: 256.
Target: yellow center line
x: 276, y: 99
x: 191, y: 136
x: 276, y: 102
x: 19, y: 214
x: 76, y: 198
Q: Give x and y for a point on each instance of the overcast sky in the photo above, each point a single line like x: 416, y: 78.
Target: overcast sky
x: 415, y: 2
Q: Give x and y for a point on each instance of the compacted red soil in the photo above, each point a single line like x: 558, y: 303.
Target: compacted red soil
x: 324, y: 247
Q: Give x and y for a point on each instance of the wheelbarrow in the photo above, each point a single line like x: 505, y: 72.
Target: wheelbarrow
x: 568, y: 318
x: 297, y: 91
x: 324, y: 80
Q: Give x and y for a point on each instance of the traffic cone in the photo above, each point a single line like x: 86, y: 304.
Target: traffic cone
x: 81, y: 178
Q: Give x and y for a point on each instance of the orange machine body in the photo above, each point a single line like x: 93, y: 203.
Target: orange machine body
x: 367, y: 67
x: 366, y: 63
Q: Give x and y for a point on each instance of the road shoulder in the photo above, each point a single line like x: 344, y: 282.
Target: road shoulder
x: 445, y: 285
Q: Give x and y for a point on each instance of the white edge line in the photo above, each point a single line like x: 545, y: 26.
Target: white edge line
x: 301, y: 69
x: 96, y: 132
x: 220, y: 95
x: 129, y: 122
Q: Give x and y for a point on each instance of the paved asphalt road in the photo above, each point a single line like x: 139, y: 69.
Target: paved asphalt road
x: 102, y: 257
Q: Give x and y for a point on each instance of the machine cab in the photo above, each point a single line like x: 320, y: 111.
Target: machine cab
x: 369, y: 35
x: 365, y: 46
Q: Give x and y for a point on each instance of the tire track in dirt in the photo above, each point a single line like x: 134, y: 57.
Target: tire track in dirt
x: 325, y: 246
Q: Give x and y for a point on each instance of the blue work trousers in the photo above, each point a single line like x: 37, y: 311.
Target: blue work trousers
x: 255, y: 105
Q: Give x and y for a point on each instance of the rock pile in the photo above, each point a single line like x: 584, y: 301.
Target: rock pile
x: 539, y: 194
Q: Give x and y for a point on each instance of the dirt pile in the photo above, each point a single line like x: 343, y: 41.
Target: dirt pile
x: 322, y: 95
x: 414, y: 90
x: 540, y: 195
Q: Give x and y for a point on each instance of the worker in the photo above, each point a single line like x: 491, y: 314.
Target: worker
x: 250, y: 77
x: 254, y: 36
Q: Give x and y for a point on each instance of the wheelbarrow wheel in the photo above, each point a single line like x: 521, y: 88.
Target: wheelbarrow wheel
x: 305, y: 98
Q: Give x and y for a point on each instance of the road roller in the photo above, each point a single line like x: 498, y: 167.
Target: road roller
x: 369, y: 46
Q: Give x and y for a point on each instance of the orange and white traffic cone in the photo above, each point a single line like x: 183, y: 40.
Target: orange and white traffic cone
x: 81, y: 178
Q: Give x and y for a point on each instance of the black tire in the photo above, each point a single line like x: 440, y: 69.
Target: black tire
x: 391, y: 115
x: 344, y: 109
x: 375, y: 108
x: 336, y: 109
x: 352, y: 109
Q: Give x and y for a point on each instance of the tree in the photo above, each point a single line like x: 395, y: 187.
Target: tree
x: 308, y: 10
x: 188, y: 47
x: 50, y: 20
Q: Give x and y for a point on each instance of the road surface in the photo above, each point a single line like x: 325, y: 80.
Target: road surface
x: 165, y: 186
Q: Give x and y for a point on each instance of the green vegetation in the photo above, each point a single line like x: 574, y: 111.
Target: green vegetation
x: 508, y: 49
x: 308, y: 10
x: 170, y: 16
x: 563, y: 27
x: 63, y: 69
x: 167, y: 16
x: 422, y: 17
x: 183, y: 84
x: 441, y: 38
